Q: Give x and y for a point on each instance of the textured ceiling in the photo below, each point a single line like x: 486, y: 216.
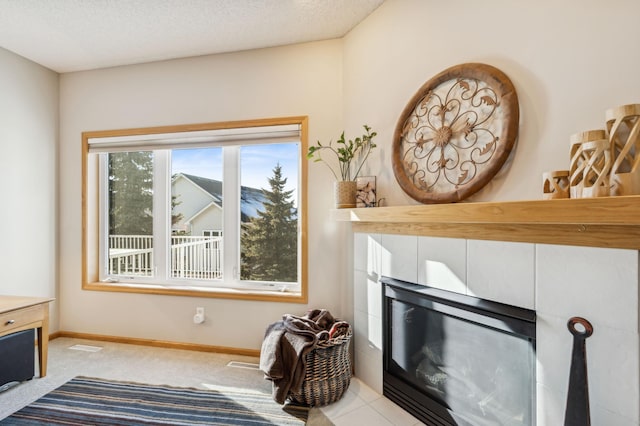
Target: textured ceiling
x: 74, y: 35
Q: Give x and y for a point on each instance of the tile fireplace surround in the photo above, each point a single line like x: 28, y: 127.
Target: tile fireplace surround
x: 557, y: 281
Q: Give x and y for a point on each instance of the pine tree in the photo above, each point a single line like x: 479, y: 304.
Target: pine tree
x: 175, y: 217
x: 131, y: 193
x: 270, y: 240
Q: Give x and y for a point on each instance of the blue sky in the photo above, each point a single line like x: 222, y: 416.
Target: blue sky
x: 257, y: 163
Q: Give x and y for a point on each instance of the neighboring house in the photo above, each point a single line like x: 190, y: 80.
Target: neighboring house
x: 200, y: 204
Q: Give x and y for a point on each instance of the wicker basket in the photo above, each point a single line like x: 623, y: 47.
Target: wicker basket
x: 328, y: 373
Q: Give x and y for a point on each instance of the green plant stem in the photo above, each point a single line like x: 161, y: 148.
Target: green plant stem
x: 369, y: 148
x: 327, y: 164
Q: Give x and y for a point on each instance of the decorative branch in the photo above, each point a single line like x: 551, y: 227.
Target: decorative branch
x: 347, y: 152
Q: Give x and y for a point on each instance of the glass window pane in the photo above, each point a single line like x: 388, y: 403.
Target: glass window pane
x: 269, y: 213
x: 196, y: 213
x: 130, y: 217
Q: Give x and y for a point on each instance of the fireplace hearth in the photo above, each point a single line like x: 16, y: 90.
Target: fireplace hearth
x: 452, y: 359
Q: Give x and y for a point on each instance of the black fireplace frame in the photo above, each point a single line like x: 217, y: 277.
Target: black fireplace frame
x: 517, y: 321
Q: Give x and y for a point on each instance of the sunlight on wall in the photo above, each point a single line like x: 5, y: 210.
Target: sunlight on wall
x: 374, y: 303
x: 374, y: 256
x: 438, y: 274
x: 374, y: 291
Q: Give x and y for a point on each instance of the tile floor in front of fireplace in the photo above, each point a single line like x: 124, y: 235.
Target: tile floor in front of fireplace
x: 361, y: 405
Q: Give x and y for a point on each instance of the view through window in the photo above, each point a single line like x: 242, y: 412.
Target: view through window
x: 212, y: 209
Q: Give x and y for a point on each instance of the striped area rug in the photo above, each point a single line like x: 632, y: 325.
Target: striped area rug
x: 91, y: 401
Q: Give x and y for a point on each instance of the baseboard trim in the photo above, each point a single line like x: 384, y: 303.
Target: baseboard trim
x: 157, y: 343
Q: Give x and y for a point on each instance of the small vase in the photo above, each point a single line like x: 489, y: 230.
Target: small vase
x: 345, y: 194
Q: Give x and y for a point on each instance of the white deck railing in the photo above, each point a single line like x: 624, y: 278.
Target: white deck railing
x: 191, y: 257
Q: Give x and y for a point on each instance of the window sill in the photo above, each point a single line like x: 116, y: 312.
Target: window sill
x: 219, y: 293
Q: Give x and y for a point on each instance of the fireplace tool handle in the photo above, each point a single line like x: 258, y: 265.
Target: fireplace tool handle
x: 577, y: 410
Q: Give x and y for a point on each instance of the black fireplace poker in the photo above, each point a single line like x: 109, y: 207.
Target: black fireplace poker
x: 577, y: 410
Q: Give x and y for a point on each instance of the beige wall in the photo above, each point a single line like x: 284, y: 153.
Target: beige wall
x: 28, y: 166
x: 288, y: 81
x: 569, y: 61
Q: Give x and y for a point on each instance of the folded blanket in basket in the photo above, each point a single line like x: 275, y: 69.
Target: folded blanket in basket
x: 286, y: 342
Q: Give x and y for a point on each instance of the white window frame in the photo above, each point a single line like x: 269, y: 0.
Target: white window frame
x: 229, y: 135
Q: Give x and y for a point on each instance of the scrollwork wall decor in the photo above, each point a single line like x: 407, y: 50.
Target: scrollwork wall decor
x: 455, y: 134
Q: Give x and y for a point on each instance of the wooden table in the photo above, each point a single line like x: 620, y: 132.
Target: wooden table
x: 19, y: 313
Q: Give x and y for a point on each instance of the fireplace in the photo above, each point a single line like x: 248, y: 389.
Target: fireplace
x: 452, y: 359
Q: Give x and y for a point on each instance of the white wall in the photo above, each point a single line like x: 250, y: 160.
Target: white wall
x: 28, y: 167
x: 288, y: 81
x: 569, y: 61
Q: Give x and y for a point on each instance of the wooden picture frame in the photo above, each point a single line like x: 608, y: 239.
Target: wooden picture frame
x: 366, y: 195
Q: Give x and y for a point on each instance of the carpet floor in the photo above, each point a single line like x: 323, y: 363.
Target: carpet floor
x: 69, y: 358
x: 99, y: 402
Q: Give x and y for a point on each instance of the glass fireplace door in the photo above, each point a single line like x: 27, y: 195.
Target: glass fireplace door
x: 481, y: 374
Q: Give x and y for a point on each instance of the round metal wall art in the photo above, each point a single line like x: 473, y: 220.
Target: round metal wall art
x: 456, y: 133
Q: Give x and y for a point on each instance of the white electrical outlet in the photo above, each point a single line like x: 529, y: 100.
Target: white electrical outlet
x: 198, y: 318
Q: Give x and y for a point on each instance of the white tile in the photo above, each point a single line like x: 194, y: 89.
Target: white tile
x: 400, y: 257
x: 367, y: 329
x: 360, y: 289
x: 374, y: 298
x: 368, y: 294
x: 553, y: 351
x: 393, y: 413
x: 370, y: 351
x: 595, y: 283
x: 360, y: 328
x: 348, y: 403
x: 362, y: 416
x: 603, y: 417
x: 365, y: 392
x: 501, y: 271
x: 550, y: 407
x: 374, y: 325
x: 360, y: 251
x: 375, y: 331
x: 367, y: 253
x: 613, y: 371
x: 442, y: 263
x: 368, y: 368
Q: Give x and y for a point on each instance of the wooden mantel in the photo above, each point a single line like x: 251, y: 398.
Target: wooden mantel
x: 595, y: 222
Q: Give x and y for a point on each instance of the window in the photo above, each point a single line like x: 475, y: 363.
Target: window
x: 215, y: 209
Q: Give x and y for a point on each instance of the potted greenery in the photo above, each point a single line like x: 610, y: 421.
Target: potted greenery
x: 351, y: 155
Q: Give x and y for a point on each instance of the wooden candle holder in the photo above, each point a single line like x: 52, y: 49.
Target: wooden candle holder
x: 579, y: 160
x: 555, y: 184
x: 596, y: 169
x: 623, y: 124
